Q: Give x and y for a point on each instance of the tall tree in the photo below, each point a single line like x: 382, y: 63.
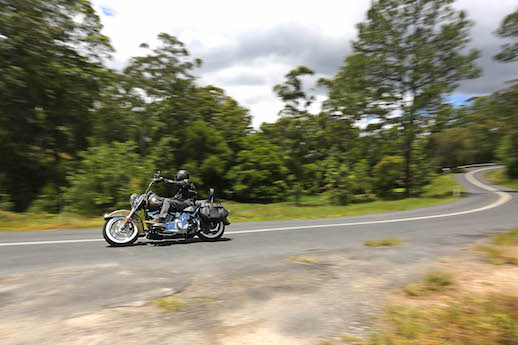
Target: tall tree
x: 408, y: 55
x: 162, y: 86
x: 292, y: 129
x: 292, y: 92
x: 50, y: 67
x: 509, y: 29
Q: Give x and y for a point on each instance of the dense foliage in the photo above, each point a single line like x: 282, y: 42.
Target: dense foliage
x: 75, y: 135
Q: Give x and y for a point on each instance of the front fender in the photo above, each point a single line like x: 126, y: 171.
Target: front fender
x: 125, y: 213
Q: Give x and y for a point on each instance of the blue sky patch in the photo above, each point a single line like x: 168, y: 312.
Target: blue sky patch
x: 458, y: 100
x: 108, y: 11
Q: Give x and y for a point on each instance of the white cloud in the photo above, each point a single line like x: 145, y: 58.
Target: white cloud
x: 249, y: 46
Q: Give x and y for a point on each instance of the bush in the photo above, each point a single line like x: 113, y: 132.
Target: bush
x: 259, y: 174
x: 359, y: 178
x: 5, y: 202
x: 106, y: 177
x: 386, y: 175
x: 434, y: 281
x: 337, y: 179
x: 48, y: 200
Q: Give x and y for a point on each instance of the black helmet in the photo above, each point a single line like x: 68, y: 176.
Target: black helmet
x: 182, y: 175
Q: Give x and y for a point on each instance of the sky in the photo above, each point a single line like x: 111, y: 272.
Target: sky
x: 248, y: 46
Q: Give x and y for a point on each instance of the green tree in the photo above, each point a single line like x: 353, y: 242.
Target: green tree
x: 508, y: 154
x: 408, y: 55
x: 224, y: 113
x: 160, y: 86
x: 259, y: 174
x: 453, y: 147
x: 293, y: 94
x: 493, y: 120
x: 205, y: 154
x: 508, y: 29
x: 50, y: 66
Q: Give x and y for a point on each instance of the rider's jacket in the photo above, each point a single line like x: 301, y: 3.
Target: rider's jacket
x: 186, y: 190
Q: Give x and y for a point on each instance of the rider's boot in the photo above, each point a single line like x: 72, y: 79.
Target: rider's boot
x: 157, y: 221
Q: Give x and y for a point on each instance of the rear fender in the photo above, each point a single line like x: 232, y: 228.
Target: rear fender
x: 124, y: 213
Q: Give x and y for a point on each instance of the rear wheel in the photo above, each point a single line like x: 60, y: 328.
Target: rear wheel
x: 117, y: 234
x: 212, y: 232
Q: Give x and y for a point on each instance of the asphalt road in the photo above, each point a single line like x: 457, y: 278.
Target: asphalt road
x: 487, y: 208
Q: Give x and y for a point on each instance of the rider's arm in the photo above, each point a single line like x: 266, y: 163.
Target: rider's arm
x: 176, y: 183
x: 182, y: 183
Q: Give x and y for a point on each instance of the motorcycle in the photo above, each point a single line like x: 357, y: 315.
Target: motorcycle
x: 204, y: 219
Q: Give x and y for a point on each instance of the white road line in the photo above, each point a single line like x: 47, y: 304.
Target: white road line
x: 503, y: 198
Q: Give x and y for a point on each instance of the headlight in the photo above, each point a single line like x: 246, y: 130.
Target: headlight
x: 133, y: 198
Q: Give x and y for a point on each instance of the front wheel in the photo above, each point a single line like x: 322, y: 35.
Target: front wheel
x: 117, y: 234
x: 213, y: 232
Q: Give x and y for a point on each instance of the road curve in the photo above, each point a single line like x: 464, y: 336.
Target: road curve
x: 486, y: 208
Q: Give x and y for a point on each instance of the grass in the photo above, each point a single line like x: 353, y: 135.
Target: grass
x: 168, y: 304
x: 389, y: 241
x: 500, y: 177
x: 473, y: 320
x: 311, y: 207
x: 302, y: 259
x: 10, y: 221
x: 435, y: 281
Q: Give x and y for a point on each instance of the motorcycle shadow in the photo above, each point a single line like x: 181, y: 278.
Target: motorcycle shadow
x: 181, y: 241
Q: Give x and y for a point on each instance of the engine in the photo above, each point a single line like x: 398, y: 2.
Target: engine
x: 182, y: 224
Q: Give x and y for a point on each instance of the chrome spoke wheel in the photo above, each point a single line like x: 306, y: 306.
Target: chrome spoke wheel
x: 116, y: 233
x: 213, y: 232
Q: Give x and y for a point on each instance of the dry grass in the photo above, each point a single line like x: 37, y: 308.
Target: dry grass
x: 502, y: 249
x: 481, y: 310
x: 435, y: 281
x: 303, y: 260
x: 498, y: 255
x: 469, y: 320
x: 389, y: 241
x: 509, y: 238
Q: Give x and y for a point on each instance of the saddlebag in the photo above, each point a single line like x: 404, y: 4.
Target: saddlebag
x: 212, y: 212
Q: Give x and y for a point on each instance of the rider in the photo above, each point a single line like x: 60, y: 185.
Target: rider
x: 183, y: 198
